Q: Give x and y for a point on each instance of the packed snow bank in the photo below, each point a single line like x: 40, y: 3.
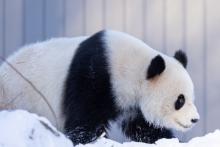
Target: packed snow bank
x: 22, y: 129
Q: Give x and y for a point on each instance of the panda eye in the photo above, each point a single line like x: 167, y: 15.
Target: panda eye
x: 180, y: 102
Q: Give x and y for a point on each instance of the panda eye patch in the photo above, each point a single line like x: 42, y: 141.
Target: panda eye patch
x: 180, y: 102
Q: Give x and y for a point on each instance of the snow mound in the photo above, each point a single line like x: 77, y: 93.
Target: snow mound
x: 210, y: 140
x: 22, y: 129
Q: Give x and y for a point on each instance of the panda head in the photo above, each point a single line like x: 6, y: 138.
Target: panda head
x: 167, y: 95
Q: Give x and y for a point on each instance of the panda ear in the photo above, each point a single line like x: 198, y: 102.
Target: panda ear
x: 156, y: 67
x: 181, y: 57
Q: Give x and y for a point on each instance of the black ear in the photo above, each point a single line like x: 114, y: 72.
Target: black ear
x: 181, y: 57
x: 156, y: 67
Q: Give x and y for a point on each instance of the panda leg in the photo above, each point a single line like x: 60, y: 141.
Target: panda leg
x: 83, y: 132
x: 137, y: 129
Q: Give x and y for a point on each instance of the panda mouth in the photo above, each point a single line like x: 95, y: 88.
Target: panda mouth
x: 182, y: 125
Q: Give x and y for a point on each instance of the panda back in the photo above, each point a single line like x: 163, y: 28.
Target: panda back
x: 44, y: 64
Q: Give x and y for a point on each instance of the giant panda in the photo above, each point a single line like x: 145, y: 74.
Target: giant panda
x: 94, y: 81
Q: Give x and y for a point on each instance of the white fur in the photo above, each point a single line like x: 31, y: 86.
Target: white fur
x: 45, y: 65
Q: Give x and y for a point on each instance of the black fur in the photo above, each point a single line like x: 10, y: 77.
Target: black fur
x: 89, y: 102
x: 156, y: 67
x: 88, y: 97
x: 137, y: 129
x: 181, y: 57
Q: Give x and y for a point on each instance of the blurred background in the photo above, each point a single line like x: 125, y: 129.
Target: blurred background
x: 166, y: 25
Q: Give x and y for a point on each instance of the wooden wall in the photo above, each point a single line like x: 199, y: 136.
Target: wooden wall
x: 166, y: 25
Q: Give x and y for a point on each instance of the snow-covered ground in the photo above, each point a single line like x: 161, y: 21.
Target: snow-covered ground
x: 22, y: 129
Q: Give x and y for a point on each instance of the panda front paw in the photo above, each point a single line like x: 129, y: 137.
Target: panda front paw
x: 84, y: 135
x: 139, y: 130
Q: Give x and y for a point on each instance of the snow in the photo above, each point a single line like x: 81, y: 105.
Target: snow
x: 23, y: 129
x: 210, y: 140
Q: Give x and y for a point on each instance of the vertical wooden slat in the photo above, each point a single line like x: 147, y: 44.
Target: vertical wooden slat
x: 33, y: 21
x: 213, y: 62
x: 13, y: 25
x: 114, y: 14
x: 154, y: 24
x: 195, y: 52
x: 54, y: 18
x: 93, y: 16
x: 134, y: 18
x: 74, y: 13
x: 1, y: 28
x: 174, y: 26
x: 164, y: 17
x: 205, y: 49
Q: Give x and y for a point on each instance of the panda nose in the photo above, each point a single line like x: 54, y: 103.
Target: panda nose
x: 195, y: 120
